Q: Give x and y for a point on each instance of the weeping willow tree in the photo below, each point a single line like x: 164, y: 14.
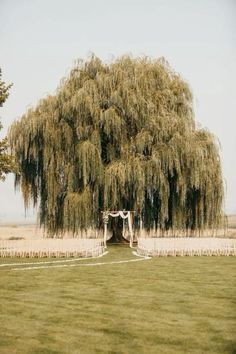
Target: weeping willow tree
x: 119, y: 136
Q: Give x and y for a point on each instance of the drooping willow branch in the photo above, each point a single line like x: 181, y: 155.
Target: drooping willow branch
x: 119, y: 136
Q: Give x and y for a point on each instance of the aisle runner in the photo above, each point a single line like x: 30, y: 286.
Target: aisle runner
x: 45, y: 265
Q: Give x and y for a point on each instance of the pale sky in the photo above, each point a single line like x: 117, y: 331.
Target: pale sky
x: 41, y: 39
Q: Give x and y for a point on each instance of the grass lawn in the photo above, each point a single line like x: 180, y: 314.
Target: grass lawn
x: 163, y: 305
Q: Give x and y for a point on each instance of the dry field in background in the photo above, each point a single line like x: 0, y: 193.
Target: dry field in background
x: 231, y: 232
x: 15, y: 231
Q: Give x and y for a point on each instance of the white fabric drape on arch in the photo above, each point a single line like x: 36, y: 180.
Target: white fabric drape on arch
x: 120, y: 213
x: 124, y: 215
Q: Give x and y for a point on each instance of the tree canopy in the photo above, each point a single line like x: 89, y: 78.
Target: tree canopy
x: 6, y: 160
x: 117, y: 136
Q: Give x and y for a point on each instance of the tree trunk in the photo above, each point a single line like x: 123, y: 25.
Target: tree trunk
x: 117, y: 229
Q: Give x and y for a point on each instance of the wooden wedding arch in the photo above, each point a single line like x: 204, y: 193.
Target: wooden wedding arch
x: 124, y: 214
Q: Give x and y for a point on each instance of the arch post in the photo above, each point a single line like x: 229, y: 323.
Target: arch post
x: 130, y: 229
x: 124, y: 215
x: 105, y: 221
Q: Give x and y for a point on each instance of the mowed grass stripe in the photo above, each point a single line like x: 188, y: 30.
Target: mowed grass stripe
x: 165, y: 305
x: 80, y: 265
x: 63, y: 260
x: 51, y: 263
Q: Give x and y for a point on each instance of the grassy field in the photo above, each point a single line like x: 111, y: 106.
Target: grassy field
x: 163, y: 305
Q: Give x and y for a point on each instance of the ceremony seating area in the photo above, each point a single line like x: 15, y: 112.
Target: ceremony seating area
x: 191, y: 246
x: 75, y: 247
x: 84, y: 248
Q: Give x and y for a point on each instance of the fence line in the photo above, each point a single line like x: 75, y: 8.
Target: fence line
x: 52, y: 248
x: 207, y: 246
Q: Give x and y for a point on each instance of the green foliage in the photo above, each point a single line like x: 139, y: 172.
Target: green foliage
x: 7, y: 164
x: 6, y: 161
x: 119, y: 136
x: 4, y: 90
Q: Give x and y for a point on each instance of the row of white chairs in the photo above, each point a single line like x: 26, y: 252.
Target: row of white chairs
x: 52, y: 248
x: 186, y: 246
